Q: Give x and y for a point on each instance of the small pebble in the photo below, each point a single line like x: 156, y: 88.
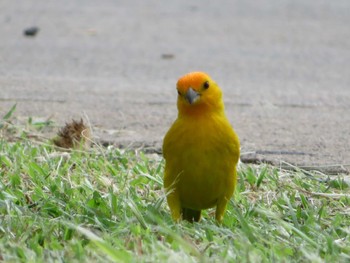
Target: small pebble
x: 168, y: 56
x: 31, y: 31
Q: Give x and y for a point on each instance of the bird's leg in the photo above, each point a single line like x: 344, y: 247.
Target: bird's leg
x: 174, y: 205
x: 221, y: 208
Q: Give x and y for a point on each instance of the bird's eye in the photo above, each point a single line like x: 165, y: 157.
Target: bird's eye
x: 206, y: 85
x: 179, y: 93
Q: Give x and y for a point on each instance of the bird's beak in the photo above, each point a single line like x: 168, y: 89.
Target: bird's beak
x: 191, y: 95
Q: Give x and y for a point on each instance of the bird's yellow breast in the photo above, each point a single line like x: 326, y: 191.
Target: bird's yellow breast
x: 201, y: 154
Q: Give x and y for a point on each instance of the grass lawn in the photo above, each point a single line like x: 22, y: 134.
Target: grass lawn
x: 107, y: 205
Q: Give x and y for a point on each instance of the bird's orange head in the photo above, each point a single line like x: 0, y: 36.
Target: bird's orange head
x: 198, y: 94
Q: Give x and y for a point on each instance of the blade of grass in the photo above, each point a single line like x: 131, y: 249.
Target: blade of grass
x: 112, y: 253
x: 245, y: 226
x: 10, y: 112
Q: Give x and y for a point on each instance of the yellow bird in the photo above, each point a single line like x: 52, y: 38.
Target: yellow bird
x: 201, y: 151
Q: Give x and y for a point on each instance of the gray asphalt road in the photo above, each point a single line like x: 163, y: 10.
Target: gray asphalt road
x: 284, y: 66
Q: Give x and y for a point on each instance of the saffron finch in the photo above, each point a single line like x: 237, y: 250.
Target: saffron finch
x: 201, y: 151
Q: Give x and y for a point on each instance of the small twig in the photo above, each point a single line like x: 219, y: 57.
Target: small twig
x: 340, y: 168
x: 331, y: 195
x: 290, y: 167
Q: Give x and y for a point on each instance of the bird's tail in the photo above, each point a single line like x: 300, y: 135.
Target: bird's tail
x: 191, y: 215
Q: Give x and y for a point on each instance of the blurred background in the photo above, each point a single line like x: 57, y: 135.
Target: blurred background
x: 284, y: 67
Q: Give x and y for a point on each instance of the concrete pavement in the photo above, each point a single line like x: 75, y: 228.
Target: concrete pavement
x: 284, y: 67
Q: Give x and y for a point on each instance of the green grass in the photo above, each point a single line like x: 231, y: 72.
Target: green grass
x: 108, y: 205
